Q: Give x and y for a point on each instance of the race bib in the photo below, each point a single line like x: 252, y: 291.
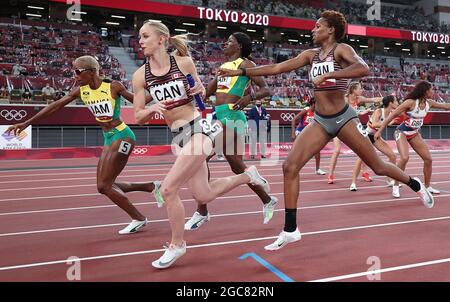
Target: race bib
x: 322, y: 68
x: 416, y: 123
x: 210, y: 130
x: 224, y: 82
x: 102, y: 110
x: 173, y: 91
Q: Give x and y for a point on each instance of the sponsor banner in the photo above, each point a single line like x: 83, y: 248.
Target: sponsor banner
x: 81, y: 116
x: 12, y: 142
x: 231, y: 16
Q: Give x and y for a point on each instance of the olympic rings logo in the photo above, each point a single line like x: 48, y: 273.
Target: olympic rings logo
x: 287, y: 117
x: 13, y: 114
x: 140, y: 151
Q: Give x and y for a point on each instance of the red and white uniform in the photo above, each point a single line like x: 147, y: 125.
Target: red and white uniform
x: 414, y: 121
x: 372, y: 130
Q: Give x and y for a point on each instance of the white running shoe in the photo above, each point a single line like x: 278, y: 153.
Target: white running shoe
x: 256, y: 179
x: 157, y: 193
x: 283, y: 239
x: 196, y: 221
x: 433, y: 190
x: 220, y: 157
x: 269, y: 208
x: 133, y: 227
x: 320, y: 172
x: 396, y: 191
x: 353, y: 187
x: 427, y: 198
x: 171, y: 254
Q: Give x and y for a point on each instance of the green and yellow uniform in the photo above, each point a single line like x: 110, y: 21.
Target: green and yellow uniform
x: 235, y: 86
x: 106, y: 109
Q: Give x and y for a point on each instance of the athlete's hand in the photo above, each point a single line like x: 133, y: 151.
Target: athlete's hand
x: 228, y: 72
x: 198, y: 89
x: 319, y: 80
x: 160, y: 107
x: 242, y: 103
x: 16, y: 129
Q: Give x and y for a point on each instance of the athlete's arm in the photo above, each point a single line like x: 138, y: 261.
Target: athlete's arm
x: 301, y: 60
x: 434, y: 104
x: 47, y: 111
x: 405, y: 106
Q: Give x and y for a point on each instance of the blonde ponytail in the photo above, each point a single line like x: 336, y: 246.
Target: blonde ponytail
x: 180, y: 43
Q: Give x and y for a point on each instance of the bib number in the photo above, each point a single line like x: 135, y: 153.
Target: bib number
x: 210, y: 130
x: 125, y: 147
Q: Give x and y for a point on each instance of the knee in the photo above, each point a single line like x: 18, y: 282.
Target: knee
x: 168, y: 192
x: 290, y: 169
x: 103, y: 188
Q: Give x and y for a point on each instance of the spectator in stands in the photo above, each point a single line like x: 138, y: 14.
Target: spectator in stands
x: 16, y: 69
x: 48, y: 92
x: 26, y: 95
x: 4, y: 93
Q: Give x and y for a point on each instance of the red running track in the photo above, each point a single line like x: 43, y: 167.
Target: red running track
x: 49, y: 212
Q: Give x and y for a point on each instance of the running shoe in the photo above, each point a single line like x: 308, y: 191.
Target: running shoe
x: 353, y: 187
x: 133, y: 227
x: 283, y: 239
x: 433, y: 190
x: 367, y: 177
x: 157, y: 193
x: 196, y: 221
x: 171, y: 254
x: 256, y: 179
x: 427, y: 198
x: 396, y: 191
x: 269, y: 208
x: 320, y: 172
x: 330, y: 179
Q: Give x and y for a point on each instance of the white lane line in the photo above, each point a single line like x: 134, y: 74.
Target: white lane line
x: 384, y: 270
x: 414, y: 158
x: 226, y: 243
x: 214, y: 215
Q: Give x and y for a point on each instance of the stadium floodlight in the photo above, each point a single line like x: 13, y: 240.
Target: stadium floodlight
x: 251, y: 30
x: 221, y: 27
x: 292, y: 40
x: 189, y: 24
x: 75, y: 19
x: 180, y: 29
x: 282, y: 34
x: 406, y: 49
x: 398, y: 44
x: 154, y: 20
x: 79, y: 12
x: 35, y: 7
x: 112, y: 23
x: 441, y: 47
x: 387, y: 48
x: 34, y: 15
x: 363, y: 46
x: 118, y: 17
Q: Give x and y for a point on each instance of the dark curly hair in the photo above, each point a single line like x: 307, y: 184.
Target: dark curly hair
x: 337, y: 20
x: 419, y: 91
